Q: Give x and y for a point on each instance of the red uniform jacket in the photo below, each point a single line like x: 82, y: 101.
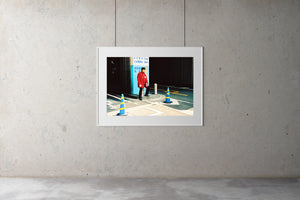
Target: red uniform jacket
x: 142, y: 80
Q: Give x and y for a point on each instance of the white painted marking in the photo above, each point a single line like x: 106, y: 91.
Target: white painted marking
x: 146, y: 107
x: 112, y: 106
x: 184, y: 101
x: 157, y: 111
x: 115, y: 97
x: 174, y: 102
x: 188, y: 112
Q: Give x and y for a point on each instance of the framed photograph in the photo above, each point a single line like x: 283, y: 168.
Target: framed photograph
x: 150, y: 86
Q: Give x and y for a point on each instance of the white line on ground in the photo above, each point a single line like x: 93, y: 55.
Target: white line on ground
x: 188, y: 112
x: 112, y: 106
x: 170, y: 86
x: 147, y: 105
x: 157, y: 111
x: 149, y: 102
x: 171, y: 100
x: 115, y: 97
x: 174, y: 102
x: 184, y: 101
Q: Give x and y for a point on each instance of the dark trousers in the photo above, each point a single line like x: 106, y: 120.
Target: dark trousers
x: 147, y: 92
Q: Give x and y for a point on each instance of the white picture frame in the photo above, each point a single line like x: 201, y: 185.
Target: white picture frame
x: 104, y: 120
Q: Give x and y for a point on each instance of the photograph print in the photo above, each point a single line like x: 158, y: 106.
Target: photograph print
x: 150, y: 86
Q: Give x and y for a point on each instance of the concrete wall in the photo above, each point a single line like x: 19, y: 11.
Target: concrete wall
x: 48, y: 88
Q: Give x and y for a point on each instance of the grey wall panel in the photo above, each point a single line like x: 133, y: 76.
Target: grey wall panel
x: 149, y: 23
x: 251, y: 75
x: 48, y: 85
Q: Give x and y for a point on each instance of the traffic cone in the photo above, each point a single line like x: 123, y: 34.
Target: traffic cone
x: 168, y: 100
x: 122, y: 107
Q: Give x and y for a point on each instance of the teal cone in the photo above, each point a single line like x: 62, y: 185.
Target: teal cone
x: 122, y: 106
x: 168, y: 100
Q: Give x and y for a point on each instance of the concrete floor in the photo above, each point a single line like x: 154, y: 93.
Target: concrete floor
x: 146, y: 189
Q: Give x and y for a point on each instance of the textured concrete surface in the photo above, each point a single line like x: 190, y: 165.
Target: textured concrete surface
x: 251, y: 81
x: 150, y: 23
x: 149, y: 189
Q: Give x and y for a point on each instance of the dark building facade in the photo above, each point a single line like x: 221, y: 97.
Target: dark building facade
x: 166, y: 71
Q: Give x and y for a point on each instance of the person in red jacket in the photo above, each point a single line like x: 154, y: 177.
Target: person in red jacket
x: 143, y: 82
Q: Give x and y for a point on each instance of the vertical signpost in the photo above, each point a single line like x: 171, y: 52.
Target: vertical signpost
x: 136, y: 64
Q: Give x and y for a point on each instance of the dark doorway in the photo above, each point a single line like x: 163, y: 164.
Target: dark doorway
x: 171, y: 71
x: 118, y: 75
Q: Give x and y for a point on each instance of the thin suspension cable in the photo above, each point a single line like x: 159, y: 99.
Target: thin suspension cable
x: 184, y: 43
x: 115, y: 23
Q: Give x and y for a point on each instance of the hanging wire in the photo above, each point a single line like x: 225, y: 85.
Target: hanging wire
x: 184, y: 23
x: 115, y: 23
